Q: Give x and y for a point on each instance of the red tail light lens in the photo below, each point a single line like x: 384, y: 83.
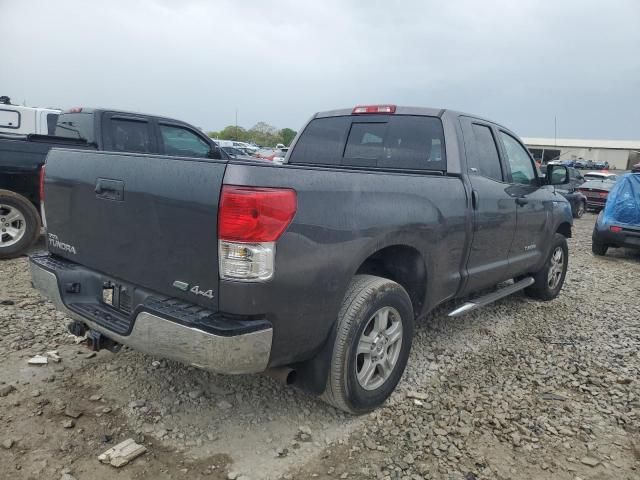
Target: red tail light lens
x: 603, y: 194
x: 42, y: 183
x: 374, y: 109
x: 255, y: 214
x: 615, y: 228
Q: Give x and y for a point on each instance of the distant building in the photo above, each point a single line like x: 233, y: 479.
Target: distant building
x: 620, y: 154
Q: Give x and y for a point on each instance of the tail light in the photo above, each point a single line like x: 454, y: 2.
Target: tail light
x: 615, y: 228
x: 374, y: 109
x: 603, y: 194
x: 42, y: 183
x: 250, y: 221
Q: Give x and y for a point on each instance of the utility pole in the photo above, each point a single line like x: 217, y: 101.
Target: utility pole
x: 236, y: 124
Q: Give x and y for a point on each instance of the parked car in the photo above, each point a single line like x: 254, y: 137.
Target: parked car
x: 576, y: 199
x: 21, y: 120
x: 272, y: 154
x: 235, y: 152
x: 22, y: 158
x: 596, y: 192
x: 600, y: 176
x: 377, y: 217
x: 589, y: 165
x: 618, y: 225
x: 580, y: 164
x: 636, y: 168
x: 601, y: 165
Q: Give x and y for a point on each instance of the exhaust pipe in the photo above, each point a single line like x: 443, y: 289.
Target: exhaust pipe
x: 284, y: 375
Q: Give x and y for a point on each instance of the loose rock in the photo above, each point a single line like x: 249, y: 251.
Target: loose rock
x: 122, y: 453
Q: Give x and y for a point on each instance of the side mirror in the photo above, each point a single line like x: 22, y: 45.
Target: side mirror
x: 557, y: 175
x: 215, y: 152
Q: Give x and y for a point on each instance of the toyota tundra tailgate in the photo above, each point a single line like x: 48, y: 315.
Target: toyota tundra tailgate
x: 147, y: 220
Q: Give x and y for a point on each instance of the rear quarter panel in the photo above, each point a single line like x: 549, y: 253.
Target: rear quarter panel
x: 343, y: 217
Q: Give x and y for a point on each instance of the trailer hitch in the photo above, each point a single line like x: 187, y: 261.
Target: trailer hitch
x: 97, y: 341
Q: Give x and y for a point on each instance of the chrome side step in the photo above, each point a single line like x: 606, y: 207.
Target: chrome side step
x: 492, y: 297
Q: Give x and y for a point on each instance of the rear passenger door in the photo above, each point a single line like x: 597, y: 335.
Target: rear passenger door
x: 494, y: 209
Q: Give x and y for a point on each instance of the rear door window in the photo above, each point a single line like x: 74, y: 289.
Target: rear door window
x: 414, y: 143
x: 130, y: 135
x: 384, y: 141
x: 484, y: 159
x: 182, y: 142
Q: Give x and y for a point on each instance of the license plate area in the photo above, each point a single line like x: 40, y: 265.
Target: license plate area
x: 107, y: 293
x: 117, y: 296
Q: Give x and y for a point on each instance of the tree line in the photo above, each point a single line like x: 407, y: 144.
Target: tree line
x: 261, y: 134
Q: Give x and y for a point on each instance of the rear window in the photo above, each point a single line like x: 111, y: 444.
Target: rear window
x: 384, y: 141
x: 75, y: 125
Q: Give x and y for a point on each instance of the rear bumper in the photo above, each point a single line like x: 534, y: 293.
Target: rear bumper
x: 628, y: 238
x: 156, y: 335
x: 596, y: 203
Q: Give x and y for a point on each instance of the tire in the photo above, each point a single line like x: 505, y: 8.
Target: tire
x: 366, y: 301
x: 598, y: 248
x: 545, y: 287
x: 19, y: 224
x: 580, y: 209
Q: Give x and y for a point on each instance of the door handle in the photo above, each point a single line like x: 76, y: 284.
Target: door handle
x: 521, y: 201
x: 109, y: 189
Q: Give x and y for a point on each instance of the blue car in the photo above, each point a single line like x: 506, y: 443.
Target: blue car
x: 618, y: 224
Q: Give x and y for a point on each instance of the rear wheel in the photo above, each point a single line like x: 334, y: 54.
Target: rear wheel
x: 19, y: 224
x: 372, y: 344
x: 549, y: 280
x: 599, y: 248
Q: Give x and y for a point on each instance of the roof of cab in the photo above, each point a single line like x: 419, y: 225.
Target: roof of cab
x: 119, y: 112
x: 404, y: 110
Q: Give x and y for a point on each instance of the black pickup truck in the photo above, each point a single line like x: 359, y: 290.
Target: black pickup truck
x: 315, y: 270
x: 22, y: 158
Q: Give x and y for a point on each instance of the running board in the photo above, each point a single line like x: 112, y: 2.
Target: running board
x: 492, y: 297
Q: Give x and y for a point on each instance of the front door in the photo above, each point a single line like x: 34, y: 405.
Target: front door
x: 494, y: 208
x: 533, y: 204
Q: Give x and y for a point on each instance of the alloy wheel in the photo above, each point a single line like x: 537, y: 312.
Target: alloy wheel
x: 12, y: 225
x: 556, y: 268
x: 379, y: 348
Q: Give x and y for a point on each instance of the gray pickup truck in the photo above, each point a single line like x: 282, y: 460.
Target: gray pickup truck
x: 314, y: 270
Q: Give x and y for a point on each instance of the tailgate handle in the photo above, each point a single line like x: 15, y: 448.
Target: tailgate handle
x: 110, y: 189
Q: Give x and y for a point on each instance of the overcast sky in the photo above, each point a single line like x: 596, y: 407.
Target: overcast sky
x: 519, y: 63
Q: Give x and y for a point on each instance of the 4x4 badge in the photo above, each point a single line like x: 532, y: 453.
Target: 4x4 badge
x: 184, y: 286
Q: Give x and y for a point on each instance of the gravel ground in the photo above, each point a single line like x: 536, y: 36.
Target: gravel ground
x: 520, y: 389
